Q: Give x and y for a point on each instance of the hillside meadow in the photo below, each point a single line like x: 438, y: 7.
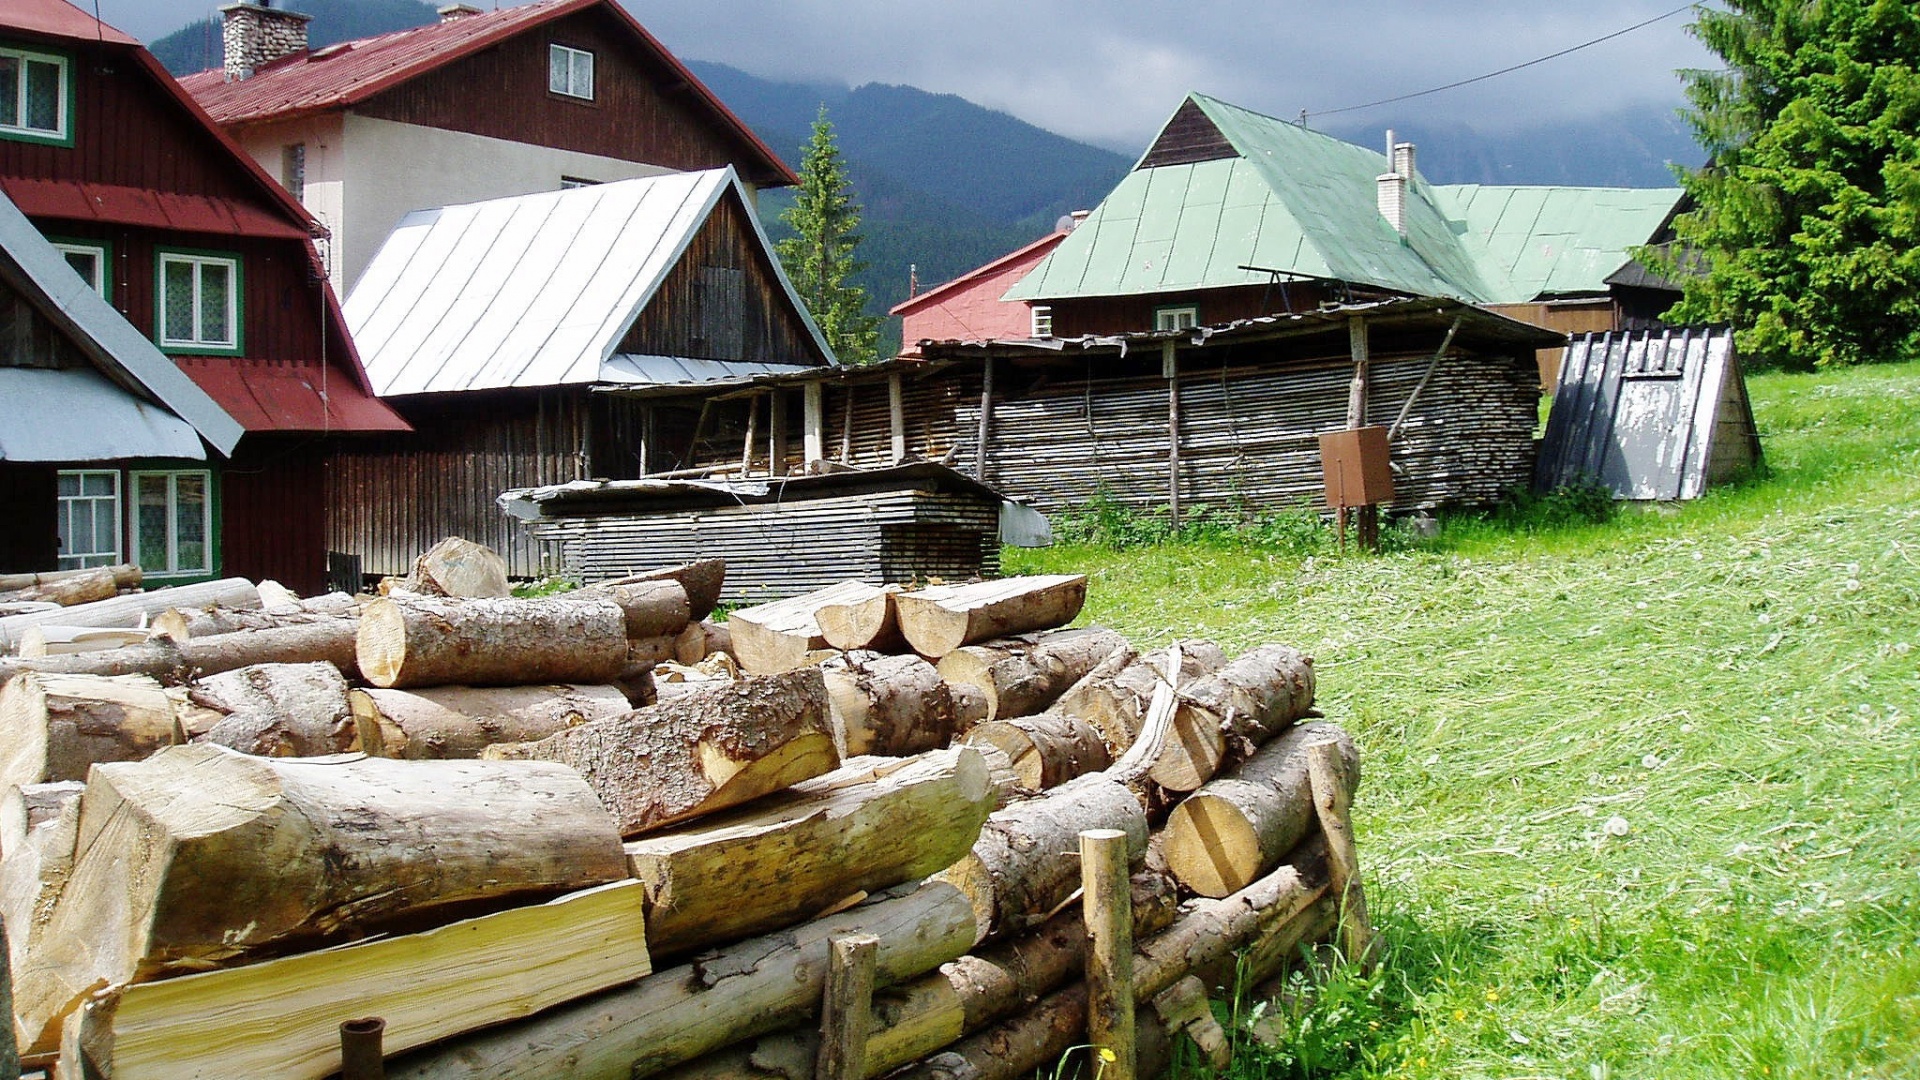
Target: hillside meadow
x: 1641, y: 797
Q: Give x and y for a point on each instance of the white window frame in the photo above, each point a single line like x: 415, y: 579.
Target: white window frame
x: 1043, y: 320
x: 88, y: 559
x: 1176, y: 317
x: 62, y: 129
x: 172, y: 477
x: 575, y: 62
x: 199, y: 343
x: 103, y: 282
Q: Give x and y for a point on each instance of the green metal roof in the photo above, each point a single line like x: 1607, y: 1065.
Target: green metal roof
x: 1286, y: 198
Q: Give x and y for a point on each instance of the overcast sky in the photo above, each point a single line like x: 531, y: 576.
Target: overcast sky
x: 1112, y: 72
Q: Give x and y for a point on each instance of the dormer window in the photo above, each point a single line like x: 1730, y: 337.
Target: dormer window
x: 35, y: 102
x: 570, y: 72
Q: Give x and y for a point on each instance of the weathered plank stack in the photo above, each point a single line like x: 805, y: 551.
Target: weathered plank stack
x: 504, y: 830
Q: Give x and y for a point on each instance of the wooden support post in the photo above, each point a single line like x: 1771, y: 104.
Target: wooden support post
x: 1357, y: 417
x: 1171, y: 370
x: 753, y: 429
x: 814, y: 423
x: 986, y: 419
x: 1109, y: 922
x: 846, y: 1015
x: 645, y: 450
x: 1332, y: 803
x: 846, y: 427
x: 897, y: 417
x: 776, y: 432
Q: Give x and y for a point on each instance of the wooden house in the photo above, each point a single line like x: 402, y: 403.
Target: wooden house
x: 522, y: 337
x: 212, y: 262
x: 969, y: 307
x: 482, y: 105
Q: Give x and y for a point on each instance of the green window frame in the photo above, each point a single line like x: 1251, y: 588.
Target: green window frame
x: 91, y: 259
x: 36, y: 96
x: 199, y: 304
x: 171, y: 516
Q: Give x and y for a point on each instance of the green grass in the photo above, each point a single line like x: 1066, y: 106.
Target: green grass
x: 1732, y: 684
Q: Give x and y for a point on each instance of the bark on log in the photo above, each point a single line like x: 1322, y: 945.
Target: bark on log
x: 776, y: 637
x: 55, y: 727
x: 125, y: 576
x: 862, y: 621
x: 1237, y: 828
x: 1025, y: 675
x: 200, y: 855
x: 938, y: 620
x: 83, y: 587
x: 279, y: 710
x: 186, y: 624
x: 459, y: 568
x: 867, y: 826
x: 680, y: 1014
x: 702, y: 579
x: 678, y: 759
x: 174, y: 662
x: 1114, y: 695
x: 420, y: 642
x: 653, y: 608
x: 128, y: 609
x: 895, y: 706
x: 1027, y: 862
x: 1224, y: 716
x: 1045, y: 751
x: 439, y: 722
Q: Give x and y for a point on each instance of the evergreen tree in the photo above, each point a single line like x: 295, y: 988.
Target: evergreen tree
x: 1808, y: 212
x: 820, y: 257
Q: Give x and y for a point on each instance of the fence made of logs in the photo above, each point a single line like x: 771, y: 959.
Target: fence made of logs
x: 924, y: 833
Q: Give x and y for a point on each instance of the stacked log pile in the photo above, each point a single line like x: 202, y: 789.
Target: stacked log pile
x: 851, y: 846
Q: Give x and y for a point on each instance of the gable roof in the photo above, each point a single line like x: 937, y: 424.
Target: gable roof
x: 940, y: 292
x: 1226, y: 194
x: 539, y: 290
x: 144, y: 405
x: 346, y: 74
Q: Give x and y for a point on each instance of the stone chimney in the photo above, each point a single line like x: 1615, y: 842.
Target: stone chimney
x: 456, y: 12
x: 255, y: 35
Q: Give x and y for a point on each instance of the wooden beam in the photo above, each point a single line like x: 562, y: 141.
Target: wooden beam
x: 1170, y: 369
x: 814, y: 421
x: 753, y: 432
x: 846, y: 1015
x: 1357, y: 391
x: 777, y: 432
x: 897, y: 417
x: 1109, y: 920
x: 986, y: 418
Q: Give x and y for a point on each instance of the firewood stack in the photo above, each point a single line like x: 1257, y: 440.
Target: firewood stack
x: 487, y: 829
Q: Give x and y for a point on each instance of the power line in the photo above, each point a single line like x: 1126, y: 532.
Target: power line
x: 1502, y: 71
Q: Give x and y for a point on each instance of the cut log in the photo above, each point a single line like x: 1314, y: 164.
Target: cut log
x: 187, y: 624
x: 779, y: 636
x: 130, y: 608
x: 889, y: 705
x: 459, y: 568
x: 679, y: 1014
x: 702, y: 579
x: 199, y: 856
x: 938, y: 620
x: 421, y: 642
x: 867, y: 826
x: 440, y: 722
x: 1224, y: 716
x: 125, y: 576
x: 281, y: 1018
x: 1237, y: 828
x: 1045, y: 751
x: 42, y: 641
x: 39, y: 826
x: 862, y: 621
x: 701, y: 640
x: 56, y: 727
x: 678, y: 759
x: 1025, y: 675
x: 82, y: 587
x: 1114, y: 696
x: 168, y: 661
x: 279, y: 710
x: 653, y: 608
x: 1027, y: 860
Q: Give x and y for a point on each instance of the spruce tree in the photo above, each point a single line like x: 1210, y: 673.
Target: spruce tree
x: 819, y: 258
x: 1807, y: 215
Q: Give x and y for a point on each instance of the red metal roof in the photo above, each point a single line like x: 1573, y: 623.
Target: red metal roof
x: 343, y: 75
x: 267, y: 396
x: 920, y: 300
x: 75, y: 200
x: 57, y: 18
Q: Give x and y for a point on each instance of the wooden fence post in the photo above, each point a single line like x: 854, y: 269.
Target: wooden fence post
x: 846, y: 1016
x: 1109, y: 921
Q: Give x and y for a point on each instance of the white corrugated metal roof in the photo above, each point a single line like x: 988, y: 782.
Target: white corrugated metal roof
x: 78, y: 415
x: 534, y: 290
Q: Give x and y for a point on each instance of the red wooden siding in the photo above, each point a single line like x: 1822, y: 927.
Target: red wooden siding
x: 1187, y: 138
x: 272, y: 521
x: 973, y: 311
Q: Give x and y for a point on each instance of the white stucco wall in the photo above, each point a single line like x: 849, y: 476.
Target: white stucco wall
x: 326, y: 170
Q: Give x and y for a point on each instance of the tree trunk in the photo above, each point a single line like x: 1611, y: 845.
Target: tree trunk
x: 55, y: 727
x: 1045, y: 751
x: 1237, y: 828
x: 168, y: 661
x: 186, y: 624
x: 279, y: 710
x: 439, y: 722
x: 867, y: 826
x: 199, y: 855
x: 1024, y: 675
x: 702, y: 580
x: 1027, y: 859
x: 889, y: 705
x: 653, y: 608
x: 683, y: 1013
x: 510, y: 642
x: 125, y: 576
x: 776, y: 637
x: 864, y: 621
x: 459, y: 568
x: 127, y: 610
x: 938, y: 620
x: 679, y: 759
x: 1226, y: 715
x: 1114, y: 695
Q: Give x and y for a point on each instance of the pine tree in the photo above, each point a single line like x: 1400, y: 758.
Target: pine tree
x: 820, y: 257
x: 1808, y: 213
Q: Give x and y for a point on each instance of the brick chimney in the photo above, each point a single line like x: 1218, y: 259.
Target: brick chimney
x: 255, y: 35
x: 1393, y: 184
x: 456, y: 12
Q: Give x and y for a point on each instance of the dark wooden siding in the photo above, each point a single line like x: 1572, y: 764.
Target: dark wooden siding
x: 1134, y: 314
x: 28, y: 339
x: 272, y: 519
x: 1187, y: 138
x: 30, y: 540
x: 641, y: 110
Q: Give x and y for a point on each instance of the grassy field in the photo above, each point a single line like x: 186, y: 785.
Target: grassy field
x: 1641, y: 798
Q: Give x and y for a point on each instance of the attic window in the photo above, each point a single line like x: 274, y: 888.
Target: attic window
x: 570, y: 72
x: 35, y: 97
x: 1184, y: 317
x: 1042, y: 321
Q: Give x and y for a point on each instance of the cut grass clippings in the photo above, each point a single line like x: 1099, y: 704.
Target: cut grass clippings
x: 1641, y: 798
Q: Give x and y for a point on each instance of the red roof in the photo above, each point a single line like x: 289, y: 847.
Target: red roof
x: 75, y: 200
x: 344, y: 75
x: 267, y: 396
x: 57, y: 18
x: 1039, y: 247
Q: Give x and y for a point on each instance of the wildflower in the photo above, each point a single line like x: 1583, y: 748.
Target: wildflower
x: 1492, y: 995
x: 1459, y: 1014
x: 1108, y: 1055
